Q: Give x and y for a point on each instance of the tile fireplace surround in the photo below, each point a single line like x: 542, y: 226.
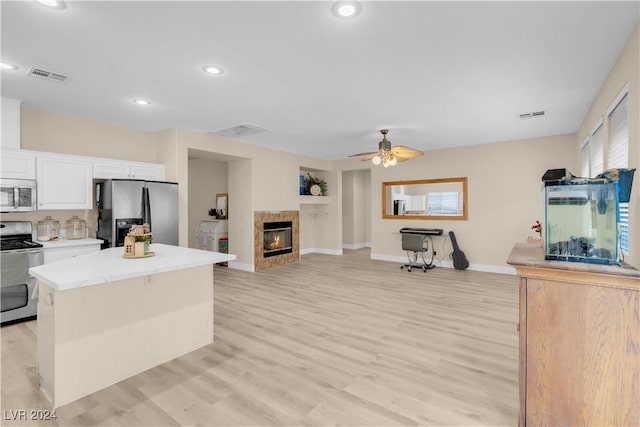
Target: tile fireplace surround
x: 259, y: 218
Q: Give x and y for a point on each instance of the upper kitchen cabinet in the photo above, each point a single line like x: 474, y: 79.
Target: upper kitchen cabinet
x: 149, y: 172
x: 64, y: 183
x: 17, y: 164
x: 127, y: 170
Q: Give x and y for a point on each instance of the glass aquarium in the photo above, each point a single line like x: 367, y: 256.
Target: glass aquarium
x: 582, y: 221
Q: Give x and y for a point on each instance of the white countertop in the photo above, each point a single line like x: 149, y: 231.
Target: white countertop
x: 64, y: 243
x: 109, y: 265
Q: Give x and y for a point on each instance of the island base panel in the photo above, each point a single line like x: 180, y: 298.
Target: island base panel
x: 93, y: 337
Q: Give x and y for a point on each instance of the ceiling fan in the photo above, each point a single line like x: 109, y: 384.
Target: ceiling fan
x: 388, y: 155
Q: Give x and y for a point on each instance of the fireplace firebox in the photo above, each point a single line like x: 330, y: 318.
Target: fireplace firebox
x: 277, y: 238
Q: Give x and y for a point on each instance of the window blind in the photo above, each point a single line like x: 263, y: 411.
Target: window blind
x: 619, y: 135
x: 584, y: 154
x: 619, y: 158
x: 597, y: 152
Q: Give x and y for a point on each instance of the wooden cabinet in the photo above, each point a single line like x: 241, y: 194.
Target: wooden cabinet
x: 127, y: 170
x: 64, y: 183
x: 579, y: 341
x: 17, y: 164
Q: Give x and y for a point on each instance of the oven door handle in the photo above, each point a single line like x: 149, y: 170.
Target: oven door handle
x: 16, y: 197
x: 34, y: 294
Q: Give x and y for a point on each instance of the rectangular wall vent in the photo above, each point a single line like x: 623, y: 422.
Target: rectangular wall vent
x: 47, y: 75
x: 239, y: 131
x: 533, y: 114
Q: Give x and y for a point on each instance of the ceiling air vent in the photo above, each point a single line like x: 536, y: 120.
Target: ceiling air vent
x: 47, y: 75
x: 530, y: 115
x: 239, y: 131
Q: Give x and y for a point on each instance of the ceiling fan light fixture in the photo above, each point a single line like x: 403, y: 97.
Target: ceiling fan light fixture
x: 387, y: 154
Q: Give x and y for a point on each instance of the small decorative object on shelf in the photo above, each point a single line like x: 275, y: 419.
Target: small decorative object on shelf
x: 315, y: 186
x: 136, y: 243
x: 537, y: 227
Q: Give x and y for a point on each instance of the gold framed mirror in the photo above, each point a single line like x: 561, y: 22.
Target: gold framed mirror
x: 222, y: 205
x: 443, y: 199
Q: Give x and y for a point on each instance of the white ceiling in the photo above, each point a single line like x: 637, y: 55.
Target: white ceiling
x: 437, y: 74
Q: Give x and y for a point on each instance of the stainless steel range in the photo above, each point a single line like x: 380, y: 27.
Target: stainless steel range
x: 18, y: 252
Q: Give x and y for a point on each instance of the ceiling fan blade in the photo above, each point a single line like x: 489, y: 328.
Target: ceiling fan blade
x: 369, y: 157
x: 406, y: 152
x: 364, y: 154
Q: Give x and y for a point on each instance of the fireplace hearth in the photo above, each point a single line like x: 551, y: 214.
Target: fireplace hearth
x: 276, y: 238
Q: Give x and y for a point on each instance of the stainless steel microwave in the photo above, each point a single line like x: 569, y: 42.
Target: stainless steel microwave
x: 17, y: 195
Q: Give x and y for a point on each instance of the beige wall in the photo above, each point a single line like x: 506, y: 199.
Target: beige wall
x: 349, y: 190
x: 625, y: 71
x: 504, y: 182
x: 356, y: 208
x: 57, y: 133
x: 504, y: 195
x: 208, y: 177
x: 260, y: 179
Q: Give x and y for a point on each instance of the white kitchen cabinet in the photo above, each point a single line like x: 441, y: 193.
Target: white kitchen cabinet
x: 64, y: 249
x: 149, y: 172
x: 17, y: 164
x: 64, y: 183
x: 109, y: 170
x: 127, y: 170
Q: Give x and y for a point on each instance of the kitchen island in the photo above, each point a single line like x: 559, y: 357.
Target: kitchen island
x: 103, y: 318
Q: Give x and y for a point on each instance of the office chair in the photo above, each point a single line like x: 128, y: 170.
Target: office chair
x: 414, y: 244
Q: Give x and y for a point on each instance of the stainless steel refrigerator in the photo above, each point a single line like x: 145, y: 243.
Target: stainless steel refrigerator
x: 125, y: 202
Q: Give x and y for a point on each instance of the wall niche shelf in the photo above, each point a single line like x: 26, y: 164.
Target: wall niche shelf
x: 314, y: 200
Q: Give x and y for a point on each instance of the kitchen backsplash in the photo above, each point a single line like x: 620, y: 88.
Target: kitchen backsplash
x: 90, y: 216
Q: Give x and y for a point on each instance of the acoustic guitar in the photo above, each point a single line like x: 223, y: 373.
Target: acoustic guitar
x: 460, y: 261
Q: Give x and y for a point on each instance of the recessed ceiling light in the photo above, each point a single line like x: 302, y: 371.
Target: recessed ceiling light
x: 54, y: 4
x: 212, y: 69
x: 141, y: 101
x: 346, y: 9
x: 7, y: 66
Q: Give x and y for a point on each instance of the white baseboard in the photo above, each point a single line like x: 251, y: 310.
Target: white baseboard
x: 356, y: 246
x: 449, y: 264
x: 241, y: 266
x: 320, y: 251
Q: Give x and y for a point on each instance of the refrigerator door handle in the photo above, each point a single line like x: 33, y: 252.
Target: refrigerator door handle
x: 147, y: 206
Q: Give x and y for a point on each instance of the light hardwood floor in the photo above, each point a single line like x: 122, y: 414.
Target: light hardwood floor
x: 331, y: 340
